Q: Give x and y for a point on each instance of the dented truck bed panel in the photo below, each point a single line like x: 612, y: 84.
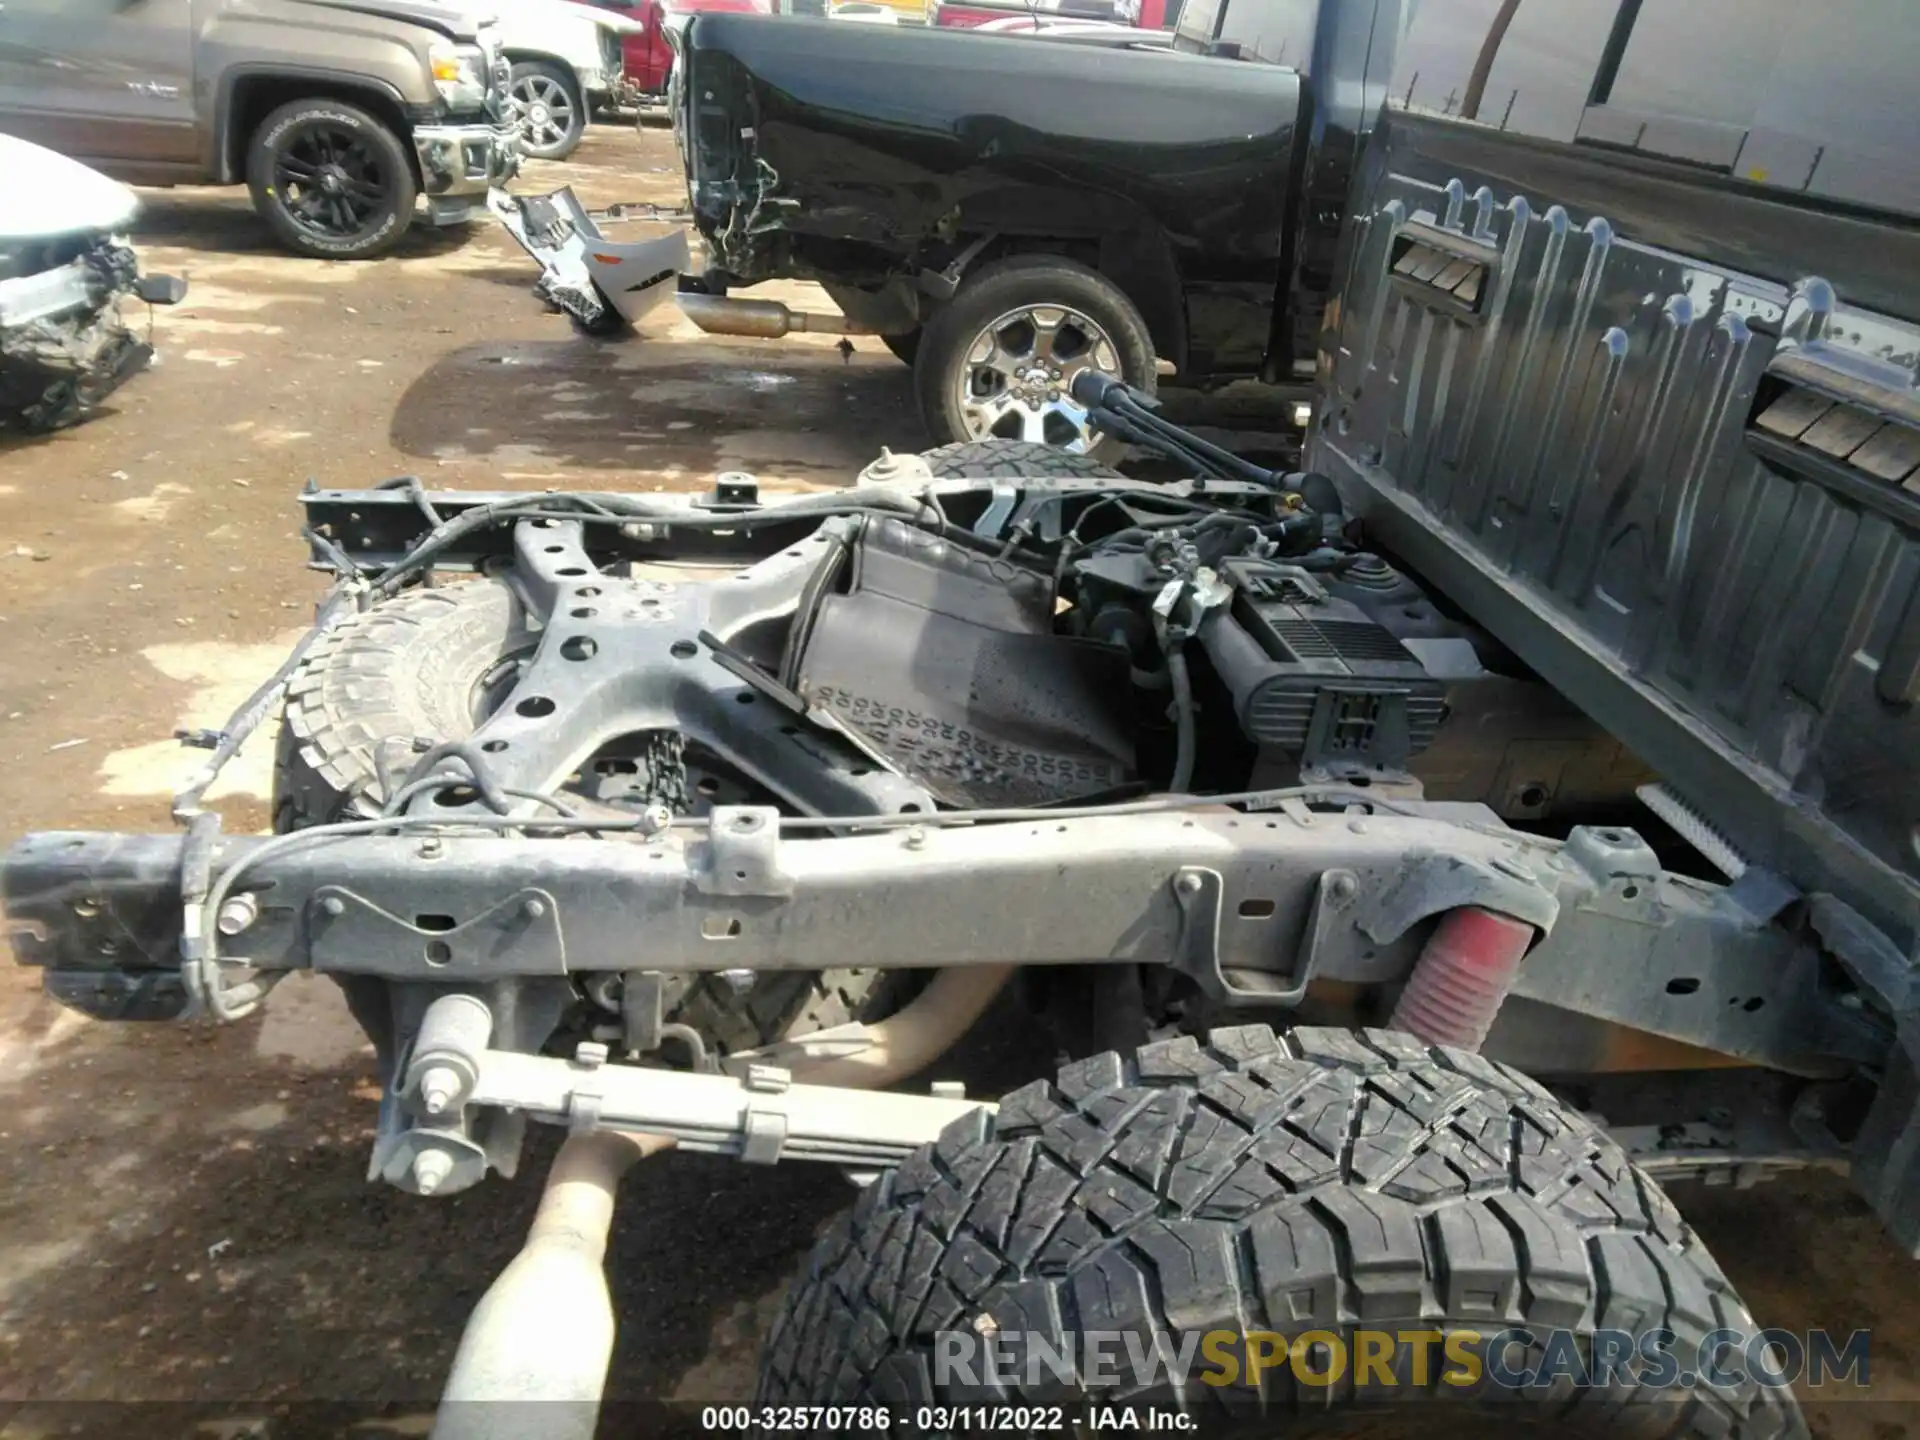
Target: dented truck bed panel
x: 1662, y: 435
x: 855, y: 153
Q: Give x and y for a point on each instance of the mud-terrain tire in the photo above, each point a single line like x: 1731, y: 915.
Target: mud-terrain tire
x: 543, y: 88
x: 1011, y: 459
x: 296, y: 134
x: 1322, y: 1180
x: 1004, y: 288
x: 423, y: 666
x: 410, y: 668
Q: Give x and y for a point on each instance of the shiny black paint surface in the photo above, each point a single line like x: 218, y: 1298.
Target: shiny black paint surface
x: 862, y: 153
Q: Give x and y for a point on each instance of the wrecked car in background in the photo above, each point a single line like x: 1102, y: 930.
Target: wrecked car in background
x: 65, y: 266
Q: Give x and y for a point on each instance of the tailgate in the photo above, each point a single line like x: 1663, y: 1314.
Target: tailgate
x: 1660, y: 433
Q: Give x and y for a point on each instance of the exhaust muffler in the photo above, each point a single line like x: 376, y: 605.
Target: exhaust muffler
x: 762, y: 319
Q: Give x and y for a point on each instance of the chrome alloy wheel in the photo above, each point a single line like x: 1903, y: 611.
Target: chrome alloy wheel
x: 1017, y: 381
x: 544, y: 111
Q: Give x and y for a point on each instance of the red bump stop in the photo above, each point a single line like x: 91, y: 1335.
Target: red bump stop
x: 1462, y: 977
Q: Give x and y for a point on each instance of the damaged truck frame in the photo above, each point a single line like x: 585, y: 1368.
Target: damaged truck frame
x: 1543, y: 762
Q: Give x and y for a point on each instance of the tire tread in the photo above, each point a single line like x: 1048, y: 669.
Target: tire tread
x: 1313, y: 1179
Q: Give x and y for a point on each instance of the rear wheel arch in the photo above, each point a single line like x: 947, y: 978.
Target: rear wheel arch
x: 1060, y: 316
x: 1104, y: 232
x: 248, y: 95
x: 518, y: 55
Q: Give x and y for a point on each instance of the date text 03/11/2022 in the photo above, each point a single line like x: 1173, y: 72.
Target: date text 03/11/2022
x: 937, y: 1419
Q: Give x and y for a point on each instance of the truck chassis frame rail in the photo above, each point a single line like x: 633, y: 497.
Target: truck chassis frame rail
x: 471, y: 876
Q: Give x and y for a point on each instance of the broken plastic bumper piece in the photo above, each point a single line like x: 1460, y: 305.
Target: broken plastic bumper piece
x: 599, y: 281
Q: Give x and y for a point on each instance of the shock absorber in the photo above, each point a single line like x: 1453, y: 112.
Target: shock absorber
x: 1462, y: 977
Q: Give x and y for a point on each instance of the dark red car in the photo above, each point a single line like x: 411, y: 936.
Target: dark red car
x: 647, y: 57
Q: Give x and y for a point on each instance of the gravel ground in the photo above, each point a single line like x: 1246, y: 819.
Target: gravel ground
x: 184, y: 1218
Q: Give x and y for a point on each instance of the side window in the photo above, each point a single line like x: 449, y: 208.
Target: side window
x: 1279, y: 32
x: 1684, y: 77
x: 1813, y: 97
x: 1193, y: 29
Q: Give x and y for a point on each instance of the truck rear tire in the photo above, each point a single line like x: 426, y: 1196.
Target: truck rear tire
x: 1309, y: 1186
x: 333, y: 181
x: 552, y: 112
x: 997, y: 360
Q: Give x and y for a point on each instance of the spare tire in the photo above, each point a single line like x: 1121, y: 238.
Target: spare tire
x: 1012, y: 459
x: 429, y: 666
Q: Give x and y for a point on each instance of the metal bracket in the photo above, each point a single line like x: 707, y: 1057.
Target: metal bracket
x: 524, y: 929
x: 1336, y: 893
x: 452, y: 1161
x: 1198, y: 892
x: 583, y: 1105
x: 1429, y: 884
x: 643, y: 210
x: 999, y: 510
x: 763, y: 1132
x: 1715, y: 1154
x: 1610, y: 852
x: 732, y: 490
x: 1868, y: 956
x: 743, y: 853
x: 763, y: 1136
x: 642, y: 1009
x: 941, y: 284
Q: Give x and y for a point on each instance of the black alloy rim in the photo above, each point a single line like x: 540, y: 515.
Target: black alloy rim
x: 331, y: 181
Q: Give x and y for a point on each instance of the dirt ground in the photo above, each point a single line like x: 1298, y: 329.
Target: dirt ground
x: 184, y: 1214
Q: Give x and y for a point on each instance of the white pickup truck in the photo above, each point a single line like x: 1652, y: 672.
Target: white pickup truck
x: 566, y: 64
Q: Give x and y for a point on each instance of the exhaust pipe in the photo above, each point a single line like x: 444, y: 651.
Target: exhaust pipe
x: 762, y: 319
x: 532, y: 1363
x: 870, y: 1056
x: 533, y: 1359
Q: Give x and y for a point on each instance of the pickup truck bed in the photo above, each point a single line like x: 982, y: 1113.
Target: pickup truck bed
x: 1659, y: 431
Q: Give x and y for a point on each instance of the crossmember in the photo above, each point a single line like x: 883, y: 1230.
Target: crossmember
x: 1252, y: 904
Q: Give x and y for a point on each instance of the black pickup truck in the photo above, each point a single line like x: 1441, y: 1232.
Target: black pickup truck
x: 1007, y: 211
x: 1611, y: 503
